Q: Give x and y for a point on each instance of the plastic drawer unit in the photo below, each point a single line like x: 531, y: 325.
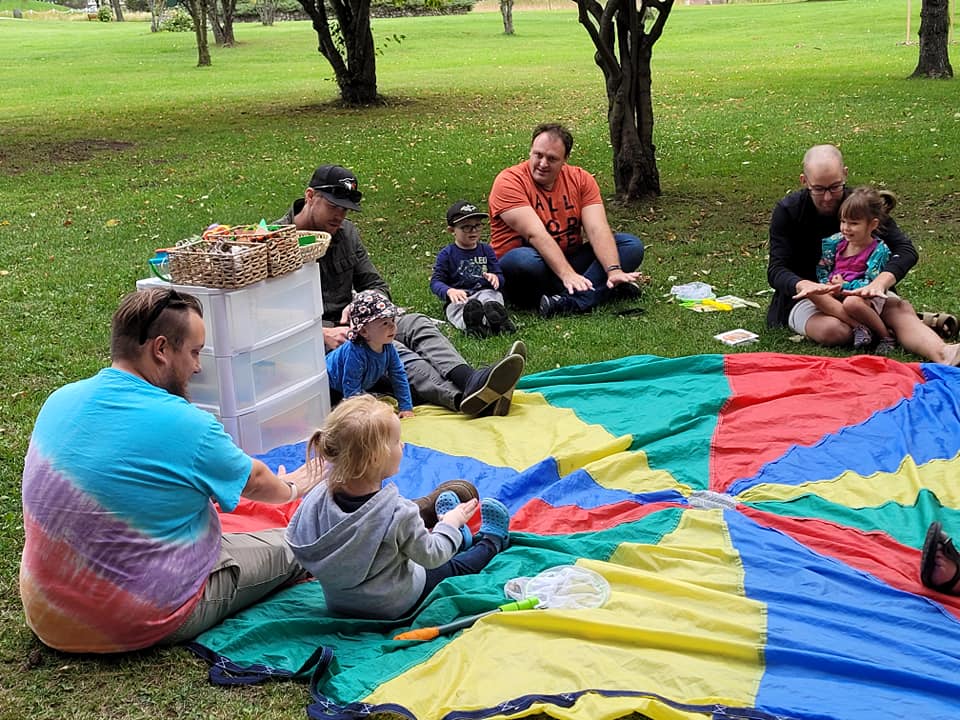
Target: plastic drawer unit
x: 233, y: 385
x: 264, y: 374
x: 254, y: 316
x: 284, y: 419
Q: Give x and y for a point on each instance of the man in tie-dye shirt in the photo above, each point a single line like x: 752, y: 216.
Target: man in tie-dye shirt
x: 123, y: 547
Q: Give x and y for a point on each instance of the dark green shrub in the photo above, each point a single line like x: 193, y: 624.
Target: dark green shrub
x: 409, y: 8
x: 104, y: 14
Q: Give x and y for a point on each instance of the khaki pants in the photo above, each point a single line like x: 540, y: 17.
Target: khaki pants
x: 250, y: 567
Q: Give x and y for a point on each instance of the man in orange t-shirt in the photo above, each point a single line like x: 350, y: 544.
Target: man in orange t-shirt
x: 540, y: 211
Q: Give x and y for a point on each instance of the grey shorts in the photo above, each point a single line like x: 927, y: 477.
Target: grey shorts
x: 805, y: 309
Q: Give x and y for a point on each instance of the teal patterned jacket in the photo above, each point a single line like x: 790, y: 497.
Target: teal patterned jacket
x: 878, y: 258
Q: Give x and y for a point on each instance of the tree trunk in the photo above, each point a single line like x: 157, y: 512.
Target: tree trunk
x: 117, y: 10
x: 630, y: 118
x: 156, y: 8
x: 221, y: 21
x: 198, y: 10
x: 267, y: 10
x: 623, y: 33
x: 934, y: 33
x: 506, y: 11
x: 347, y: 44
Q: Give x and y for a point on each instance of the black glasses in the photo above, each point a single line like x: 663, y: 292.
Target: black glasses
x: 341, y: 192
x: 472, y: 228
x: 172, y: 299
x: 824, y: 189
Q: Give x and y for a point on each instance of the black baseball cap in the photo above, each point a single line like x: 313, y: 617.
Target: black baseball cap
x: 338, y: 185
x: 461, y: 210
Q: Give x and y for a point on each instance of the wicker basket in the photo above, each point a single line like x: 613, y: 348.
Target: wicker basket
x: 313, y: 245
x: 218, y: 263
x: 282, y: 246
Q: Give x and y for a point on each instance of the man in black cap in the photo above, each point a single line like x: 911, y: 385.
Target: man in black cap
x: 438, y: 374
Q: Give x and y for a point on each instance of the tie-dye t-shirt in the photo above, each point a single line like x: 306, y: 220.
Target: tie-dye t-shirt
x: 120, y: 528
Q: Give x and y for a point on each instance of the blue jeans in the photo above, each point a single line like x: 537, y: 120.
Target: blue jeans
x: 527, y: 276
x: 466, y: 562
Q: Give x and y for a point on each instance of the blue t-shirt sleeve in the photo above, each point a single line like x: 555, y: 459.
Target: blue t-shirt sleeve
x: 222, y: 469
x: 442, y: 278
x: 398, y: 378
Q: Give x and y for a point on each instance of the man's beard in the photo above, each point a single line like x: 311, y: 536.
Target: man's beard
x: 175, y: 387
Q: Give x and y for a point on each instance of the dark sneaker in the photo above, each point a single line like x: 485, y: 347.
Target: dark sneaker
x: 862, y: 337
x: 885, y: 346
x: 626, y: 291
x: 497, y: 318
x: 473, y: 318
x: 518, y: 348
x: 463, y: 489
x: 551, y: 305
x: 502, y: 406
x: 488, y: 385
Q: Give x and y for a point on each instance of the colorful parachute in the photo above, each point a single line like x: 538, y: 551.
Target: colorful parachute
x: 757, y: 516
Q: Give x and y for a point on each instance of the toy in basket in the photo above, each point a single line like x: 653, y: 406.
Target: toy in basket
x: 283, y: 251
x: 217, y: 263
x: 313, y: 245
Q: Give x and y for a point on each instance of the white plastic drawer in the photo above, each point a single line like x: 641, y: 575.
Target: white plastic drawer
x: 233, y: 385
x: 257, y: 315
x: 284, y: 419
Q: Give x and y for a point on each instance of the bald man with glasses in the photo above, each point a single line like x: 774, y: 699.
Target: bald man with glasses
x: 799, y: 223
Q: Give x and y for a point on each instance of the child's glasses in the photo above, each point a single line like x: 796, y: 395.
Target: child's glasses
x: 475, y: 227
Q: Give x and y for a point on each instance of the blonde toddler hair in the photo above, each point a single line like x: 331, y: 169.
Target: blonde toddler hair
x: 353, y: 442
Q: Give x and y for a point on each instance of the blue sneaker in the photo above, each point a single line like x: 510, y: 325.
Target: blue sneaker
x: 495, y: 521
x: 447, y: 501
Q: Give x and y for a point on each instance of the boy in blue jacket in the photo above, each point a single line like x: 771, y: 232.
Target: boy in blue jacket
x: 467, y: 276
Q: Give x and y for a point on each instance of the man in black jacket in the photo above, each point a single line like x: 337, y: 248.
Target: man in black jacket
x: 437, y: 373
x: 798, y: 226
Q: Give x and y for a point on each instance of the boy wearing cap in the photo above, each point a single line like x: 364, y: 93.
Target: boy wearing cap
x: 369, y: 356
x: 467, y: 276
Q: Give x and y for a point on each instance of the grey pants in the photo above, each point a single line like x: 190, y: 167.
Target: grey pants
x: 455, y: 310
x: 250, y: 567
x: 428, y: 357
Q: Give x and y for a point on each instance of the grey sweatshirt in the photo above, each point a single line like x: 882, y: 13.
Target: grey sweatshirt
x: 370, y: 563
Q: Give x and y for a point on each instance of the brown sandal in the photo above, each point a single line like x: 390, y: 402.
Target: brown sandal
x: 943, y: 324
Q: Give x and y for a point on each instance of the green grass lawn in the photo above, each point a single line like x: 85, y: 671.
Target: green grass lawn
x: 114, y: 143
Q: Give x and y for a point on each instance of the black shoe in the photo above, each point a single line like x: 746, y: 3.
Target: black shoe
x: 626, y: 291
x: 518, y: 348
x: 497, y: 319
x: 490, y: 384
x: 473, y: 318
x: 551, y: 305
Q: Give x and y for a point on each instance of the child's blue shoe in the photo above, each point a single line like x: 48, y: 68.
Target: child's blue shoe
x: 446, y: 502
x: 495, y: 521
